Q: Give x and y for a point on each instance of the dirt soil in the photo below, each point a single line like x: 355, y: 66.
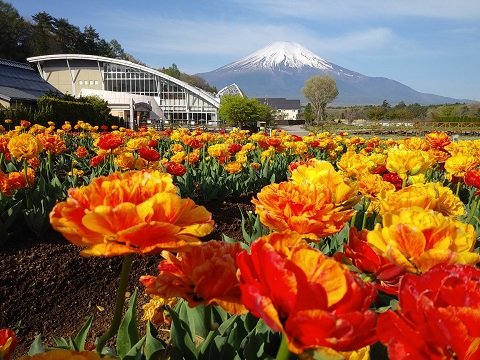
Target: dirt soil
x: 47, y: 288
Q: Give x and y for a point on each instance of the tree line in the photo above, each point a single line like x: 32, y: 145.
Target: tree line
x: 47, y: 35
x: 403, y: 112
x: 321, y: 90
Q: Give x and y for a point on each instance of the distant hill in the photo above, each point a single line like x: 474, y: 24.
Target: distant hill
x: 281, y: 68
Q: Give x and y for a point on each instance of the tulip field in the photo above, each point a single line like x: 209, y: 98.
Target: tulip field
x: 358, y: 248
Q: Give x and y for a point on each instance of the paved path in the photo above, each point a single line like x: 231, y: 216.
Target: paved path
x: 294, y: 129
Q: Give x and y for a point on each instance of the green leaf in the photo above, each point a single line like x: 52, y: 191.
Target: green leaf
x: 79, y: 341
x: 154, y: 347
x: 60, y: 342
x: 10, y: 215
x: 36, y: 347
x: 250, y: 322
x: 182, y: 338
x: 254, y: 348
x: 135, y: 351
x: 127, y: 335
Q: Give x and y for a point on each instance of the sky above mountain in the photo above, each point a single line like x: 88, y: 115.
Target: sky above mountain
x: 432, y: 46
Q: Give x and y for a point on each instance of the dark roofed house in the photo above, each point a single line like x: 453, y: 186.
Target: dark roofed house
x: 285, y: 109
x: 19, y: 83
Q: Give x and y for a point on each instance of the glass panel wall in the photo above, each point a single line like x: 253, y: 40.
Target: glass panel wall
x: 176, y: 101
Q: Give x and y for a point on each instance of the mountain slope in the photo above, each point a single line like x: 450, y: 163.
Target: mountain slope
x: 281, y: 69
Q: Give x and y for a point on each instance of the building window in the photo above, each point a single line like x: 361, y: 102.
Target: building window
x: 81, y: 82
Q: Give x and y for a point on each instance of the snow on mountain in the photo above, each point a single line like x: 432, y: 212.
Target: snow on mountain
x: 281, y: 54
x: 281, y: 69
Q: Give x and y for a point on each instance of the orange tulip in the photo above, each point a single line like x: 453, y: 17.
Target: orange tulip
x: 309, y: 208
x: 206, y: 274
x: 52, y: 144
x: 131, y: 212
x: 311, y: 298
x: 437, y: 139
x: 233, y: 167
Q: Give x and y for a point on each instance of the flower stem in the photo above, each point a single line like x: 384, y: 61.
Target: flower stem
x: 473, y: 209
x: 283, y: 352
x: 208, y: 317
x: 120, y: 301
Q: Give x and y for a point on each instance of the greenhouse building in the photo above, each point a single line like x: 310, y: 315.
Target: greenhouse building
x: 136, y: 93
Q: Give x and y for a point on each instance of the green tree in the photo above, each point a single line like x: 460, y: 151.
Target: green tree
x: 308, y: 114
x: 198, y: 82
x: 418, y: 111
x: 89, y: 41
x: 320, y: 90
x: 67, y: 36
x: 44, y: 41
x: 266, y: 113
x: 239, y: 111
x: 117, y: 50
x: 172, y: 71
x: 375, y: 113
x: 399, y: 114
x: 14, y: 34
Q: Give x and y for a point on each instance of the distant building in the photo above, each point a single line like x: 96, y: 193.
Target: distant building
x: 232, y: 89
x: 284, y: 109
x: 132, y: 91
x: 20, y: 84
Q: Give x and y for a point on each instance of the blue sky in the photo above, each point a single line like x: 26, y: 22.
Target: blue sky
x: 432, y: 46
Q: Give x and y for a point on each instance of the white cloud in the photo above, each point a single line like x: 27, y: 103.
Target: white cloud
x: 352, y: 9
x: 240, y: 38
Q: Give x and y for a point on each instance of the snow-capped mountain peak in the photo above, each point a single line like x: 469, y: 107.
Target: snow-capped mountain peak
x: 282, y: 68
x: 281, y: 54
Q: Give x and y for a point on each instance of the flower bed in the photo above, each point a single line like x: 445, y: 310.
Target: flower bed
x: 356, y: 246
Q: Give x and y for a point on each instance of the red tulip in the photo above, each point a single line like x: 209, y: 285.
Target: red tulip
x: 109, y: 141
x: 472, y: 178
x: 385, y: 273
x: 149, y: 154
x: 175, y: 168
x: 437, y: 315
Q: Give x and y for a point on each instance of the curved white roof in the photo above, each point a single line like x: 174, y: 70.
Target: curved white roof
x: 202, y: 94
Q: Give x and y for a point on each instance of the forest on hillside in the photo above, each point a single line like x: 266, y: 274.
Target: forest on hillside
x: 44, y: 34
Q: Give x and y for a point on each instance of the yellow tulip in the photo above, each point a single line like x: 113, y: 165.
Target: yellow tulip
x: 417, y: 239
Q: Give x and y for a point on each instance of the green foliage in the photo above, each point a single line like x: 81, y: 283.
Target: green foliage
x: 233, y: 337
x: 10, y: 208
x: 90, y: 109
x: 129, y: 345
x: 320, y: 90
x: 239, y: 111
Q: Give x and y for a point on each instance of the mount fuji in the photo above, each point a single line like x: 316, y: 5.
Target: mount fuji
x: 281, y: 69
